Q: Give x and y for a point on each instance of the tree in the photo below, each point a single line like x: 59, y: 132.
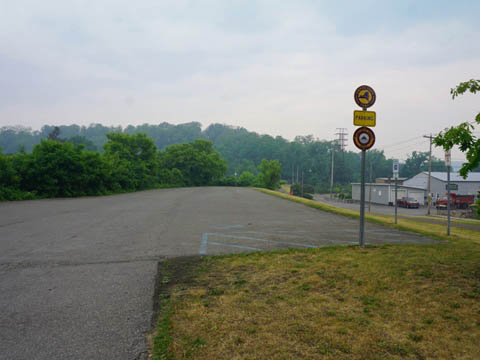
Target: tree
x: 270, y: 172
x: 82, y: 140
x: 198, y: 162
x: 58, y: 169
x: 462, y: 135
x: 55, y: 134
x: 133, y: 160
x: 246, y: 179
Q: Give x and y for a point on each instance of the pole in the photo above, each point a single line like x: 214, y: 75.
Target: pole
x: 448, y: 201
x: 362, y: 200
x: 297, y: 175
x: 429, y: 196
x: 302, y: 182
x: 370, y: 186
x: 293, y: 174
x: 396, y: 199
x: 331, y: 173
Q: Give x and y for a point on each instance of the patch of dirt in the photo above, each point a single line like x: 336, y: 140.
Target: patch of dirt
x: 170, y: 272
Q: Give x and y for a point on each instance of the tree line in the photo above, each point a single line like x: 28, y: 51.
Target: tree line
x: 61, y: 168
x: 305, y: 157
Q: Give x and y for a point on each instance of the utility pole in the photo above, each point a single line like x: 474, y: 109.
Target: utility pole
x: 429, y: 196
x: 293, y: 174
x: 342, y: 138
x: 448, y: 163
x: 331, y: 172
x: 302, y: 182
x: 341, y: 141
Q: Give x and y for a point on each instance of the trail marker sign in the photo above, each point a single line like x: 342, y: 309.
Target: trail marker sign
x: 364, y: 138
x: 364, y: 96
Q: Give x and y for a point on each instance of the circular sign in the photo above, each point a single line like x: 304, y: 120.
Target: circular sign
x: 365, y: 96
x: 364, y: 138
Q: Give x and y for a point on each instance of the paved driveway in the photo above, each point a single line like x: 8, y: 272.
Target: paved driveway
x: 77, y: 276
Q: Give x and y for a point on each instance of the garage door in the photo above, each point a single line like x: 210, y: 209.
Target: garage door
x: 417, y: 195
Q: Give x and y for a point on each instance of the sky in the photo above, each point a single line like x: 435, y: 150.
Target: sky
x: 283, y: 68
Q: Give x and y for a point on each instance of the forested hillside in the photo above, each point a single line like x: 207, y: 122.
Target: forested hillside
x: 243, y: 150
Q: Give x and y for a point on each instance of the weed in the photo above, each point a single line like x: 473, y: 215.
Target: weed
x: 415, y: 337
x: 429, y: 321
x: 305, y: 287
x: 216, y: 292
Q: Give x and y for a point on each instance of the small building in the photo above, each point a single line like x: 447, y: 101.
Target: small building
x: 390, y: 180
x: 438, y: 183
x: 385, y: 193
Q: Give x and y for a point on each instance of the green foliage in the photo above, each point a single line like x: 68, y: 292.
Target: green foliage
x: 243, y: 151
x: 133, y: 160
x: 227, y: 181
x: 129, y: 163
x: 246, y: 179
x: 198, y: 162
x: 270, y: 172
x: 472, y: 85
x: 82, y: 140
x: 418, y: 162
x: 57, y: 169
x: 307, y: 189
x: 462, y: 135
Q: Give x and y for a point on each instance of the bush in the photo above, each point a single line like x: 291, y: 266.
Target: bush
x: 296, y: 189
x: 227, y: 181
x: 246, y: 179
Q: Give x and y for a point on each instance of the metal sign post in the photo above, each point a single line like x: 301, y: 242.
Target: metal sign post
x: 395, y: 176
x: 448, y: 163
x: 364, y: 138
x: 362, y: 200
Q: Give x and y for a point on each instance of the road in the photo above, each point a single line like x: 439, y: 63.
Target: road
x: 418, y: 215
x: 374, y: 208
x: 77, y: 276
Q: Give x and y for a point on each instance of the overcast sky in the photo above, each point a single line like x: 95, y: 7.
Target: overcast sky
x: 277, y: 67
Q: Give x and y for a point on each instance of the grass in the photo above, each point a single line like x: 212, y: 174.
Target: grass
x: 376, y: 302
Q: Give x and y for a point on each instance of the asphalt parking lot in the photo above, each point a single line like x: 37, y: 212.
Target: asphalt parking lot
x: 77, y: 276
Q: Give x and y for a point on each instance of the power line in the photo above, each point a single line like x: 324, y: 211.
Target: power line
x: 403, y: 142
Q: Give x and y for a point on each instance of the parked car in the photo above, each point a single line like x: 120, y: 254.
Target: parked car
x: 408, y: 202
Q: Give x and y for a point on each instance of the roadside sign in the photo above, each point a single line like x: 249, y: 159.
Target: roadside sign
x: 452, y: 186
x: 396, y: 167
x: 448, y: 158
x: 364, y: 118
x: 364, y: 96
x: 364, y: 138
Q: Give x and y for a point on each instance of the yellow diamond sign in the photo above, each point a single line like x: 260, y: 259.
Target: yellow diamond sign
x: 364, y: 118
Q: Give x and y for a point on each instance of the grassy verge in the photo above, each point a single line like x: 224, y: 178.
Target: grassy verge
x: 382, y: 302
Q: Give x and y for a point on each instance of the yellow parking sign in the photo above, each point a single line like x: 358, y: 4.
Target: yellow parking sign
x: 364, y: 118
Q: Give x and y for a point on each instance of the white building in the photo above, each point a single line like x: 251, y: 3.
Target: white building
x: 385, y: 193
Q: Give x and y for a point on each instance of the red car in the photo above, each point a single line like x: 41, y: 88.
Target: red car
x: 408, y: 202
